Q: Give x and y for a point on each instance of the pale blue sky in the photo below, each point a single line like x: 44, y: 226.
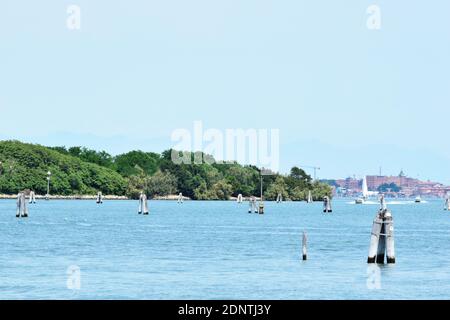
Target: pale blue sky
x: 345, y: 98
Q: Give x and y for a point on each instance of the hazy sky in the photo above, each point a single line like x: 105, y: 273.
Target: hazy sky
x: 344, y: 97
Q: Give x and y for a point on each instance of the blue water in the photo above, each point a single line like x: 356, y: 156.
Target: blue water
x: 216, y: 250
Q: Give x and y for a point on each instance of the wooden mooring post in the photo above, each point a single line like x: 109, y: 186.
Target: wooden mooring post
x: 279, y: 198
x: 252, y: 205
x: 22, y: 208
x: 327, y: 204
x: 180, y: 198
x: 32, y: 197
x: 239, y: 198
x: 99, y: 197
x: 304, y: 241
x: 382, y: 237
x: 261, y: 207
x: 143, y: 206
x: 447, y: 203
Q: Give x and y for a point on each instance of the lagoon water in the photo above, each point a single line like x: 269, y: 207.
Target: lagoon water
x: 216, y: 250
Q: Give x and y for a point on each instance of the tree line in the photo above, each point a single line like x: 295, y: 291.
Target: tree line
x: 79, y: 170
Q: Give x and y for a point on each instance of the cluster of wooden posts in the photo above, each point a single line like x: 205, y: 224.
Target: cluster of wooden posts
x: 143, y: 205
x: 382, y: 237
x: 22, y: 208
x: 381, y: 240
x: 255, y: 207
x: 259, y: 207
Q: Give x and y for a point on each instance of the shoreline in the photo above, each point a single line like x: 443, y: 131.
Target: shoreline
x: 114, y: 197
x: 61, y: 197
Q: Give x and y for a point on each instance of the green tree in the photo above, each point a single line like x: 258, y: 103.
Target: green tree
x: 26, y: 167
x: 125, y: 164
x: 298, y: 194
x: 277, y: 187
x: 320, y: 190
x: 222, y: 190
x: 162, y: 184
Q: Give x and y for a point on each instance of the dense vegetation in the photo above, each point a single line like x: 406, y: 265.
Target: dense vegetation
x: 25, y: 166
x: 79, y: 170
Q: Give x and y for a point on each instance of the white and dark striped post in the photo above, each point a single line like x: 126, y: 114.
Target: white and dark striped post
x: 47, y: 196
x: 143, y: 206
x: 18, y: 203
x: 32, y: 197
x: 304, y: 242
x: 327, y: 204
x: 389, y: 236
x: 22, y: 208
x: 99, y: 198
x: 279, y: 198
x: 252, y: 205
x: 374, y: 239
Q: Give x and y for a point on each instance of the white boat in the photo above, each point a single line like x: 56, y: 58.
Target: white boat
x: 418, y: 199
x: 365, y: 192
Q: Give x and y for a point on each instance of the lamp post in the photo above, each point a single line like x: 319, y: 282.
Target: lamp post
x: 261, y: 203
x: 261, y: 188
x: 48, y: 185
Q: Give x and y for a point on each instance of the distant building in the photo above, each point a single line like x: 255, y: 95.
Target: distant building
x: 409, y: 187
x: 374, y: 182
x: 350, y: 184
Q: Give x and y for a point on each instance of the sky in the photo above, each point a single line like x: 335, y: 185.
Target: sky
x: 346, y: 98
